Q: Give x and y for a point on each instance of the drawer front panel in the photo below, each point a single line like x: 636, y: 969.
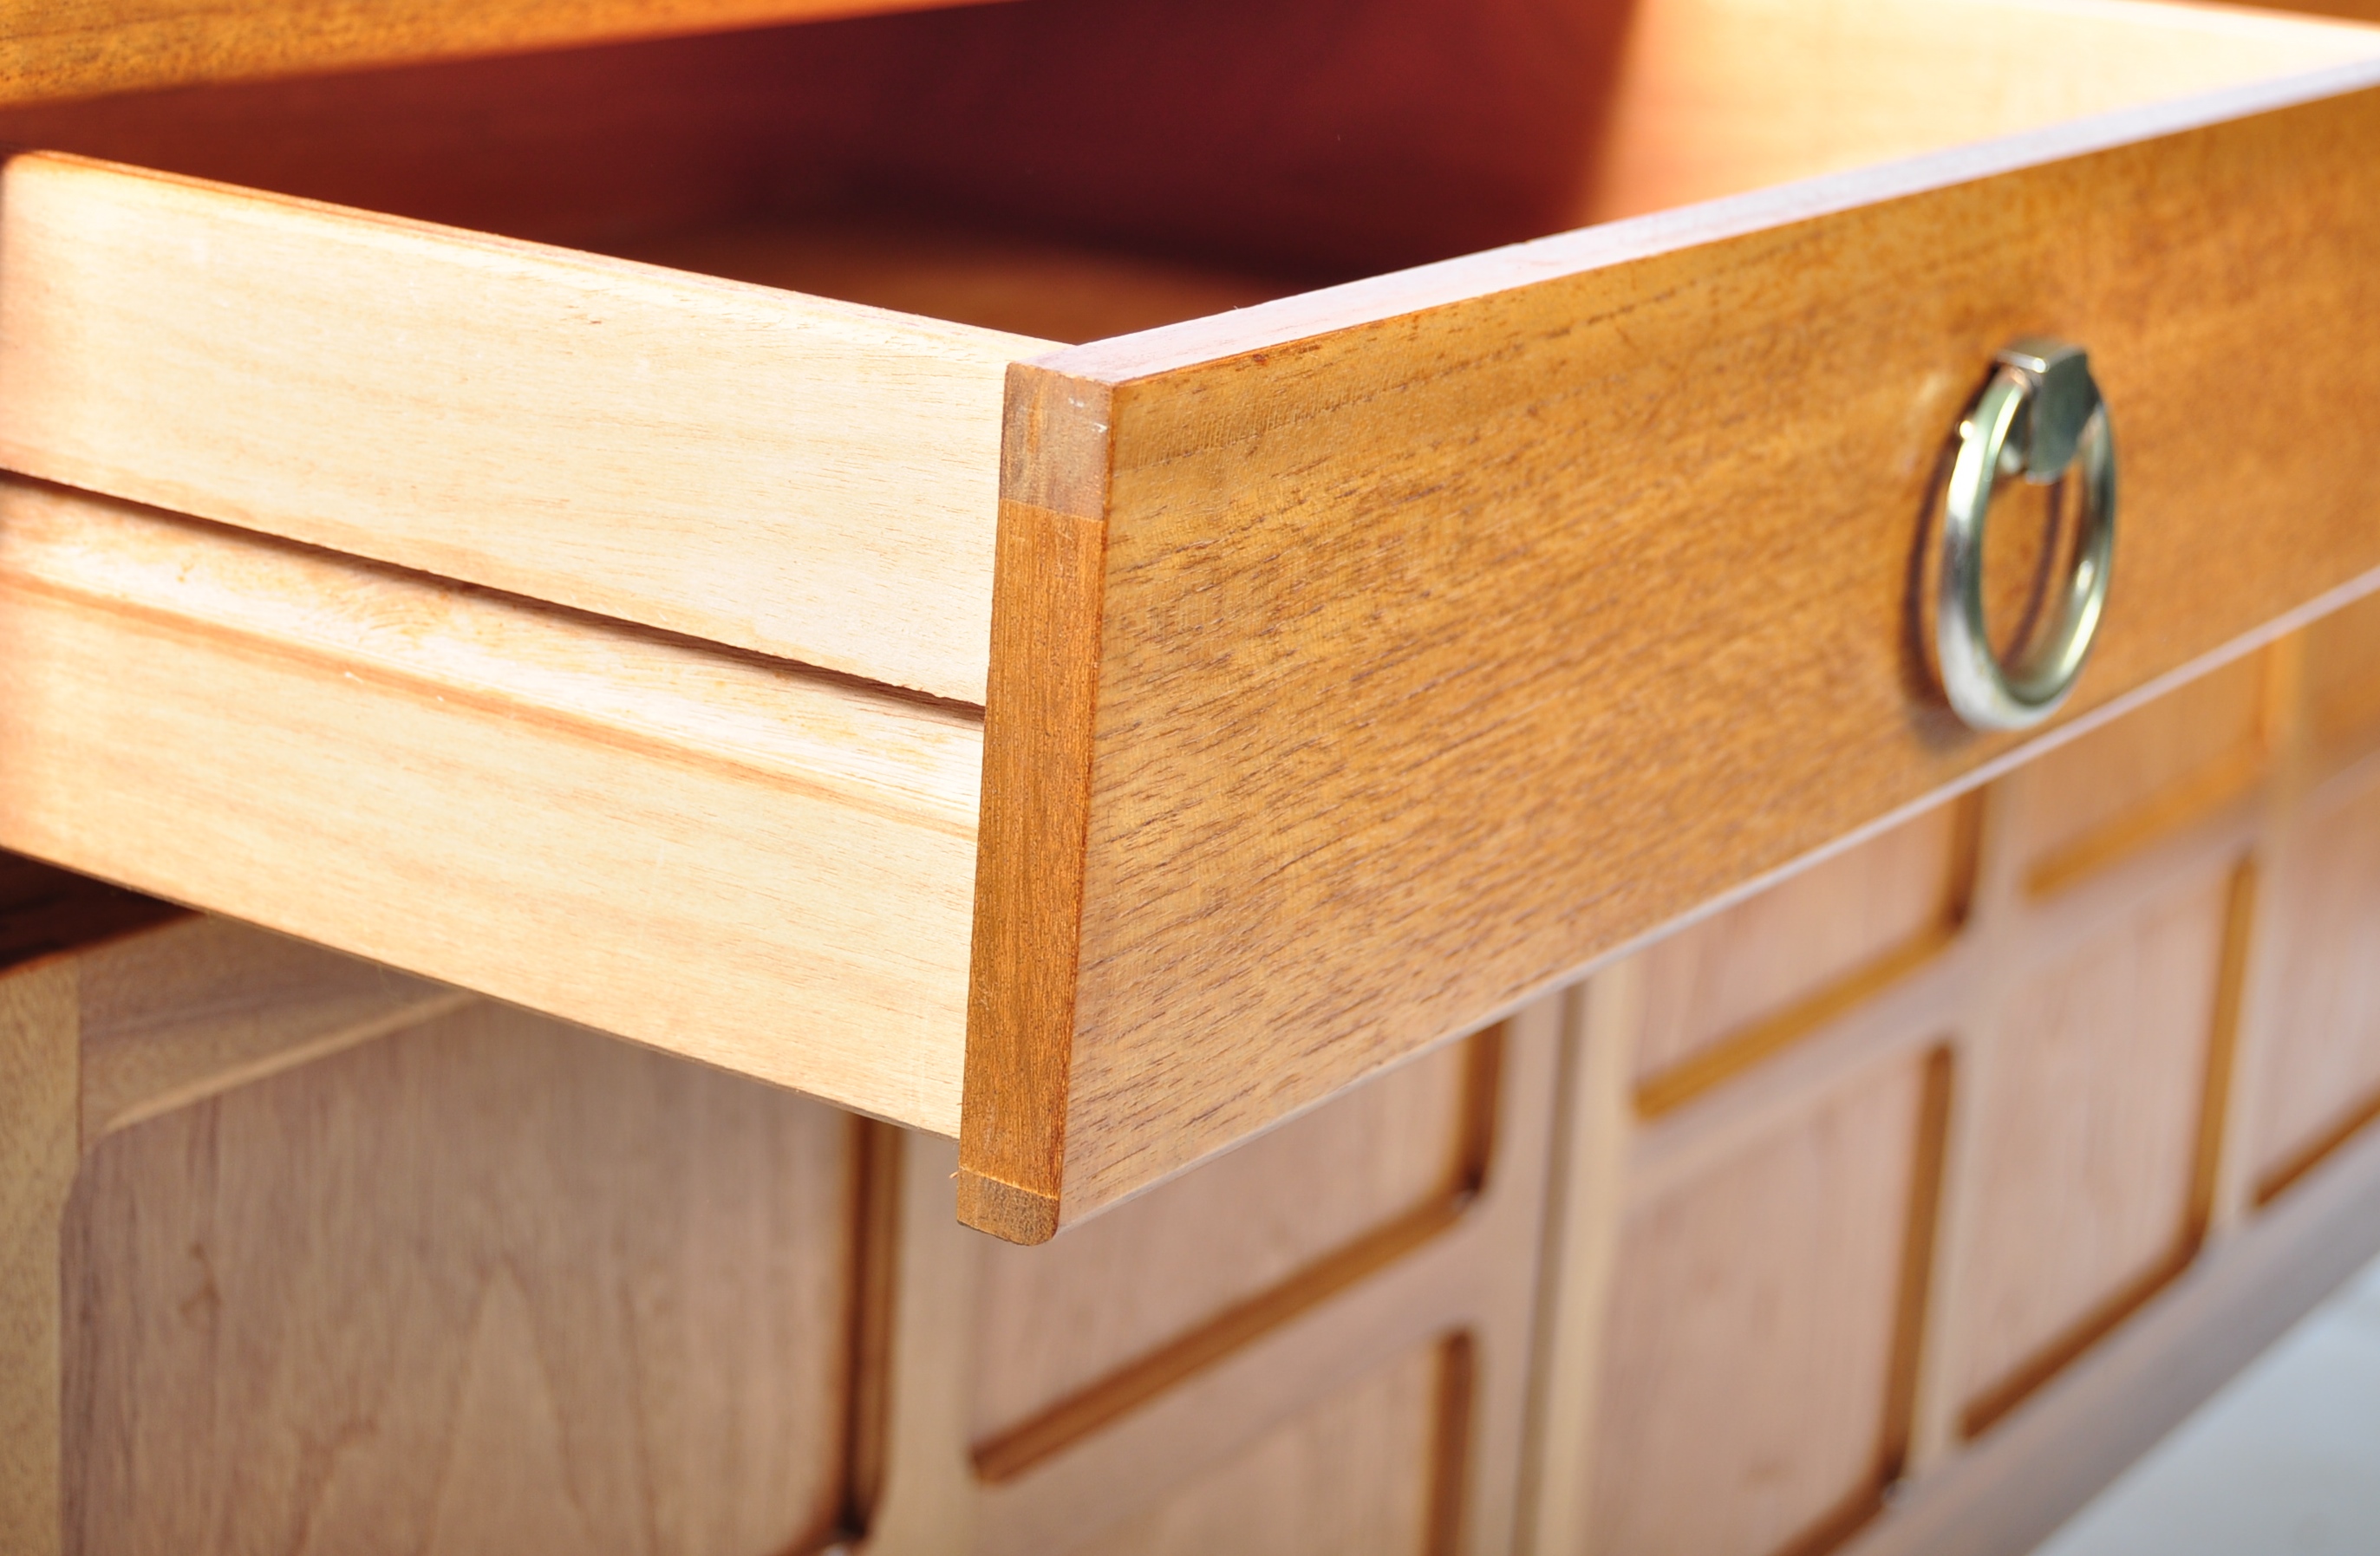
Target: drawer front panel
x: 1448, y: 631
x: 806, y: 479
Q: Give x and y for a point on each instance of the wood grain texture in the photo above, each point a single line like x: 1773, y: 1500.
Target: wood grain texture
x: 1746, y: 1394
x: 802, y: 478
x: 2012, y: 1490
x: 1728, y: 990
x: 1047, y: 624
x: 1475, y: 1277
x: 113, y: 1005
x: 38, y: 1157
x: 205, y: 1004
x: 2127, y: 1052
x: 1370, y: 578
x: 1056, y: 1322
x: 766, y: 869
x: 1705, y: 101
x: 2148, y: 774
x: 488, y: 1284
x: 2087, y: 1131
x: 2319, y: 1077
x: 86, y: 47
x: 1350, y: 1475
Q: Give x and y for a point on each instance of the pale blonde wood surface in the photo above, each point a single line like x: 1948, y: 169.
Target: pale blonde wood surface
x: 1712, y: 97
x: 1898, y: 892
x: 2088, y: 1134
x: 2320, y: 1071
x: 488, y: 1284
x: 1056, y: 1319
x: 759, y: 868
x: 1351, y: 1476
x: 38, y: 1156
x: 1752, y: 1334
x: 2113, y: 790
x: 82, y: 47
x: 798, y: 477
x: 1371, y: 515
x: 202, y: 1005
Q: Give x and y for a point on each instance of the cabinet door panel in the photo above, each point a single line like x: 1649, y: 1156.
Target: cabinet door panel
x: 2088, y: 1134
x: 1724, y: 992
x: 1756, y: 1320
x: 493, y: 1284
x: 1056, y: 1319
x: 1353, y: 1475
x: 2153, y: 770
x: 2320, y: 1074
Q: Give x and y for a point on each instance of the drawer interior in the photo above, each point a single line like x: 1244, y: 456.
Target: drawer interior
x: 1074, y: 169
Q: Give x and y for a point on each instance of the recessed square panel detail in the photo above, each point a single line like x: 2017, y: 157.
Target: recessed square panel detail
x: 2320, y: 1077
x: 2089, y: 1146
x: 1728, y: 992
x: 1754, y: 1373
x: 2152, y: 771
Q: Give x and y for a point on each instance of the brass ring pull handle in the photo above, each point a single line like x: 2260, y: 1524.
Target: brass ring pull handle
x: 2040, y: 416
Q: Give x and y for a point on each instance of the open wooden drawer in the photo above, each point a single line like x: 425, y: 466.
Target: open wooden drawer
x: 579, y: 626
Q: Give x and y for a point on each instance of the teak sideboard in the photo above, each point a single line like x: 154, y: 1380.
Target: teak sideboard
x: 1279, y: 651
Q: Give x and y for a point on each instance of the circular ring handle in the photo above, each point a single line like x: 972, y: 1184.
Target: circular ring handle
x: 2039, y: 415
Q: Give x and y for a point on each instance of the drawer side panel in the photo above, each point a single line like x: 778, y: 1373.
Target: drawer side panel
x: 347, y: 774
x: 806, y: 479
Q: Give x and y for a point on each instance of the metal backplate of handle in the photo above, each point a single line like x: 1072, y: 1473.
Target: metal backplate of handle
x: 2040, y: 417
